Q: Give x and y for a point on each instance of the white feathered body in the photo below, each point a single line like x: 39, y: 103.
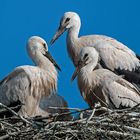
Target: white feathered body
x: 113, y: 90
x: 28, y: 84
x: 114, y: 54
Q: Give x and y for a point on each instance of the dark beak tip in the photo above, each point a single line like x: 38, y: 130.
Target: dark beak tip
x: 75, y: 74
x: 71, y: 80
x: 52, y: 41
x: 57, y: 66
x: 59, y: 69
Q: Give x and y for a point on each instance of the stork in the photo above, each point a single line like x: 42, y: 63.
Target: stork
x: 114, y: 55
x: 33, y: 86
x: 101, y: 85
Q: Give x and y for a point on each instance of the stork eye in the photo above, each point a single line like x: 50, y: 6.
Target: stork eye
x: 44, y: 44
x: 85, y: 56
x: 67, y: 19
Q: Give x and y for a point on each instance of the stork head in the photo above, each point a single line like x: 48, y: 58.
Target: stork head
x: 87, y: 60
x: 38, y: 48
x: 68, y: 21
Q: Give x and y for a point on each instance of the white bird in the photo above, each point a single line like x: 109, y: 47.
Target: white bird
x: 31, y: 84
x: 114, y: 55
x: 102, y: 85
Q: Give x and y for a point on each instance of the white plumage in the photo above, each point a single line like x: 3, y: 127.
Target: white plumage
x: 114, y: 55
x: 98, y: 84
x: 31, y: 84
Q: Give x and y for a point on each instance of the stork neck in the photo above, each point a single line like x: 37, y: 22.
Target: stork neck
x: 84, y: 77
x: 73, y: 33
x: 44, y: 63
x: 72, y: 40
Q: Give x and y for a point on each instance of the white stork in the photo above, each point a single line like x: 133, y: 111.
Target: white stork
x: 101, y: 85
x: 114, y: 55
x: 34, y: 87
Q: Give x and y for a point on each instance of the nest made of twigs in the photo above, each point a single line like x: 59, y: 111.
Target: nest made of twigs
x: 113, y: 124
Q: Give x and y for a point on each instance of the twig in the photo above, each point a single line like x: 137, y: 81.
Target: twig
x: 100, y: 99
x: 95, y: 106
x: 132, y: 129
x: 53, y: 116
x: 5, y: 110
x: 16, y: 114
x: 4, y: 137
x: 67, y: 108
x: 113, y: 133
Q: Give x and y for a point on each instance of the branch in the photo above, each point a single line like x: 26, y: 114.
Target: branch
x: 16, y: 114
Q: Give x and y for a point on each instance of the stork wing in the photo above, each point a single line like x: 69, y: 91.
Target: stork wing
x: 13, y: 85
x: 121, y: 93
x: 120, y: 61
x: 116, y: 58
x: 113, y: 53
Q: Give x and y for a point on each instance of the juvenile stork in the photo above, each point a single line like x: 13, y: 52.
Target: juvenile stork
x: 102, y: 85
x: 32, y: 85
x: 114, y: 55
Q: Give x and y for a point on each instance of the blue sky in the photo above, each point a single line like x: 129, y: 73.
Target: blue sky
x: 19, y: 20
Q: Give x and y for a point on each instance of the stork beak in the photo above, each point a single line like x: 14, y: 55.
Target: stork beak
x: 77, y: 70
x: 48, y: 55
x: 59, y: 32
x: 80, y: 65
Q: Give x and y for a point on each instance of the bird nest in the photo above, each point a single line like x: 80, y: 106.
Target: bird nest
x: 112, y: 124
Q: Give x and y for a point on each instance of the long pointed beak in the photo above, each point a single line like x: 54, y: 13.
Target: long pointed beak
x: 48, y: 55
x: 80, y: 65
x: 59, y: 32
x: 77, y: 70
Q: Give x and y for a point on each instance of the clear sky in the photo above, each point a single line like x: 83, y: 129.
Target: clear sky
x: 20, y: 19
